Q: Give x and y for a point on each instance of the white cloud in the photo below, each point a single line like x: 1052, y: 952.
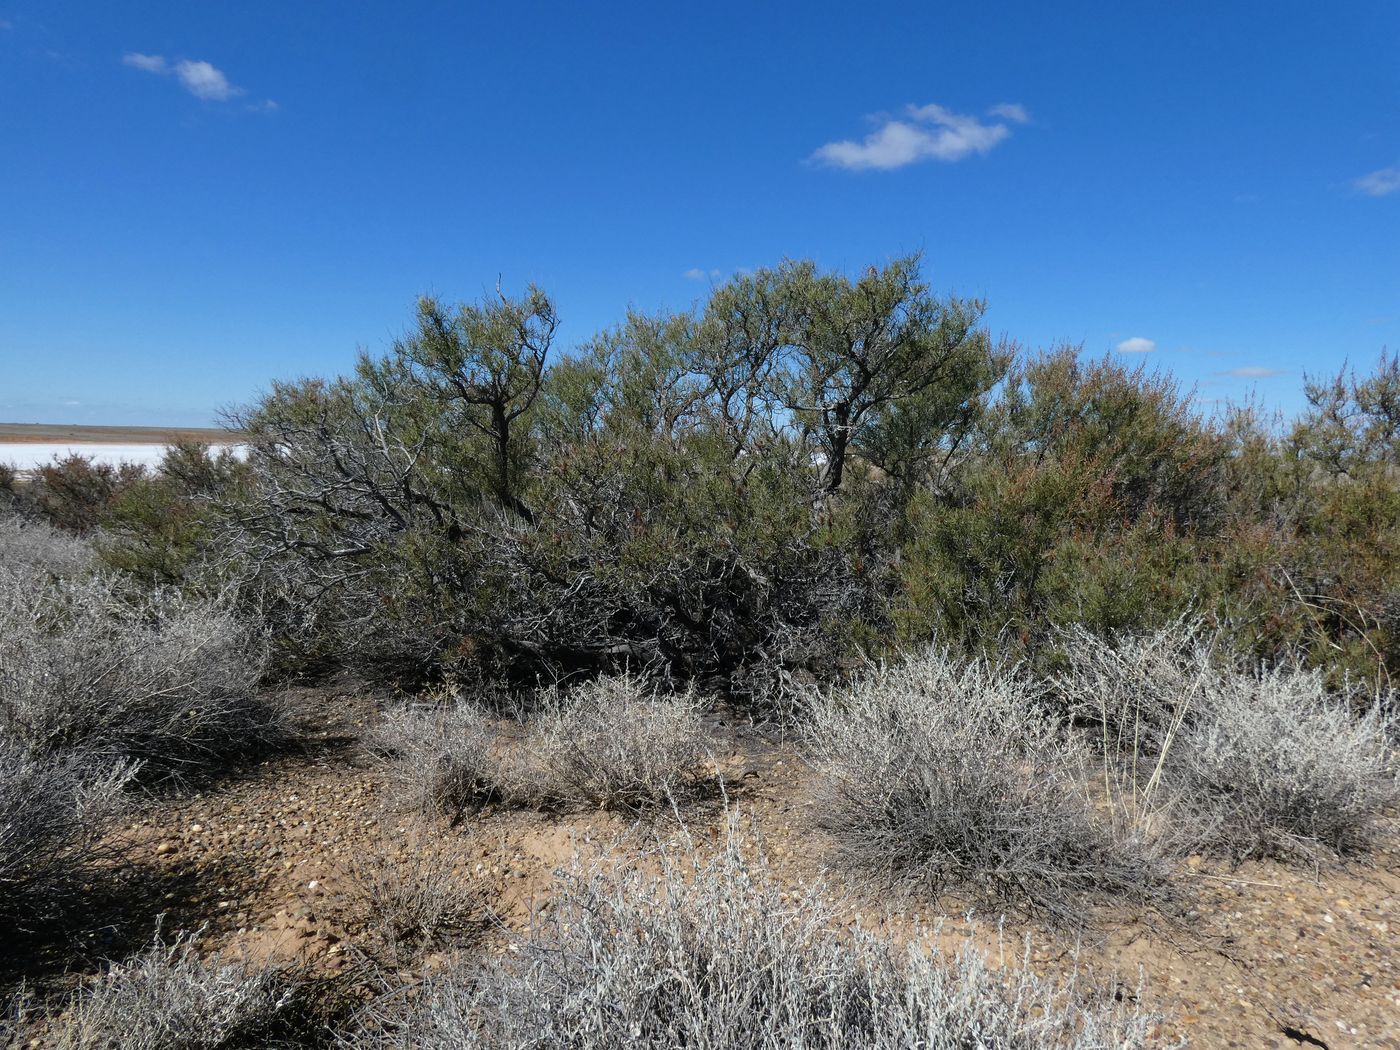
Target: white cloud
x: 697, y: 274
x: 1253, y: 372
x: 1136, y: 345
x: 150, y: 63
x: 1012, y: 111
x: 201, y: 79
x: 1379, y: 183
x: 929, y: 133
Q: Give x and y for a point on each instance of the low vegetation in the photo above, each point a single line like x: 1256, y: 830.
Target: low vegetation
x: 613, y: 743
x: 169, y: 998
x: 1257, y: 762
x: 418, y: 896
x: 53, y: 814
x: 712, y: 954
x: 102, y: 686
x: 945, y: 776
x: 161, y: 679
x: 616, y: 743
x: 443, y: 758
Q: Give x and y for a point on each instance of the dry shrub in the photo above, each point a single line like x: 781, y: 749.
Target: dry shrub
x: 615, y: 742
x: 52, y: 811
x: 417, y: 898
x: 168, y: 998
x: 1249, y: 762
x: 31, y: 547
x: 1138, y: 690
x: 1278, y: 767
x: 942, y: 776
x: 165, y: 680
x: 713, y: 955
x: 443, y: 760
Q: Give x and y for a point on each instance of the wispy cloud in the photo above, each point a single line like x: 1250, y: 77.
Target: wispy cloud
x: 150, y: 63
x: 1252, y: 372
x: 1136, y: 345
x: 697, y: 274
x: 201, y: 79
x: 923, y: 133
x: 1012, y: 111
x: 1379, y: 183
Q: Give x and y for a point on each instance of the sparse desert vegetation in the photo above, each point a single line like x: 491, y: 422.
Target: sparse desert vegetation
x: 429, y: 721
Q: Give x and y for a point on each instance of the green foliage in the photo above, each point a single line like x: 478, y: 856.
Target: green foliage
x: 158, y: 525
x: 74, y: 492
x: 674, y: 495
x: 1084, y: 499
x: 804, y: 471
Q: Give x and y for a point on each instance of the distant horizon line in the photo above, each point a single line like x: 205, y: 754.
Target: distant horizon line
x: 115, y: 433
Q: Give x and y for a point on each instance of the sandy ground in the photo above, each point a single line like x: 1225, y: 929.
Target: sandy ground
x: 1265, y: 955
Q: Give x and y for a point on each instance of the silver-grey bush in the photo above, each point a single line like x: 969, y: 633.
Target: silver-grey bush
x: 615, y: 742
x: 52, y: 810
x: 942, y: 776
x: 165, y: 679
x: 168, y: 998
x: 443, y: 759
x: 1250, y: 761
x: 713, y: 955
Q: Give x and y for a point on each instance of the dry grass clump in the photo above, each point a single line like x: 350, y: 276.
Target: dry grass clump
x: 711, y: 955
x: 444, y: 760
x: 418, y: 898
x: 613, y: 742
x: 1249, y: 762
x: 941, y: 776
x: 168, y: 998
x: 51, y: 815
x: 165, y: 680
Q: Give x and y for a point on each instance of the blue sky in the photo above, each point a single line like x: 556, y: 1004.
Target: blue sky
x: 197, y: 197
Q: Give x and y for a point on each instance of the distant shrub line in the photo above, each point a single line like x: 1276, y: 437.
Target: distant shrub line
x: 804, y: 471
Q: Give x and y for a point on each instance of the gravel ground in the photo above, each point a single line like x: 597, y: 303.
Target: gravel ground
x: 1259, y: 956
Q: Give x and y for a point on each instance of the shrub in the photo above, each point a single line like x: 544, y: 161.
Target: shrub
x: 416, y: 898
x: 671, y: 496
x: 166, y: 680
x: 159, y: 528
x: 1089, y: 495
x: 1280, y: 768
x: 444, y: 761
x: 942, y: 776
x: 614, y: 742
x: 29, y: 548
x: 713, y: 954
x: 75, y: 492
x: 168, y: 998
x: 9, y: 487
x: 52, y: 812
x: 1259, y: 762
x: 1138, y: 689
